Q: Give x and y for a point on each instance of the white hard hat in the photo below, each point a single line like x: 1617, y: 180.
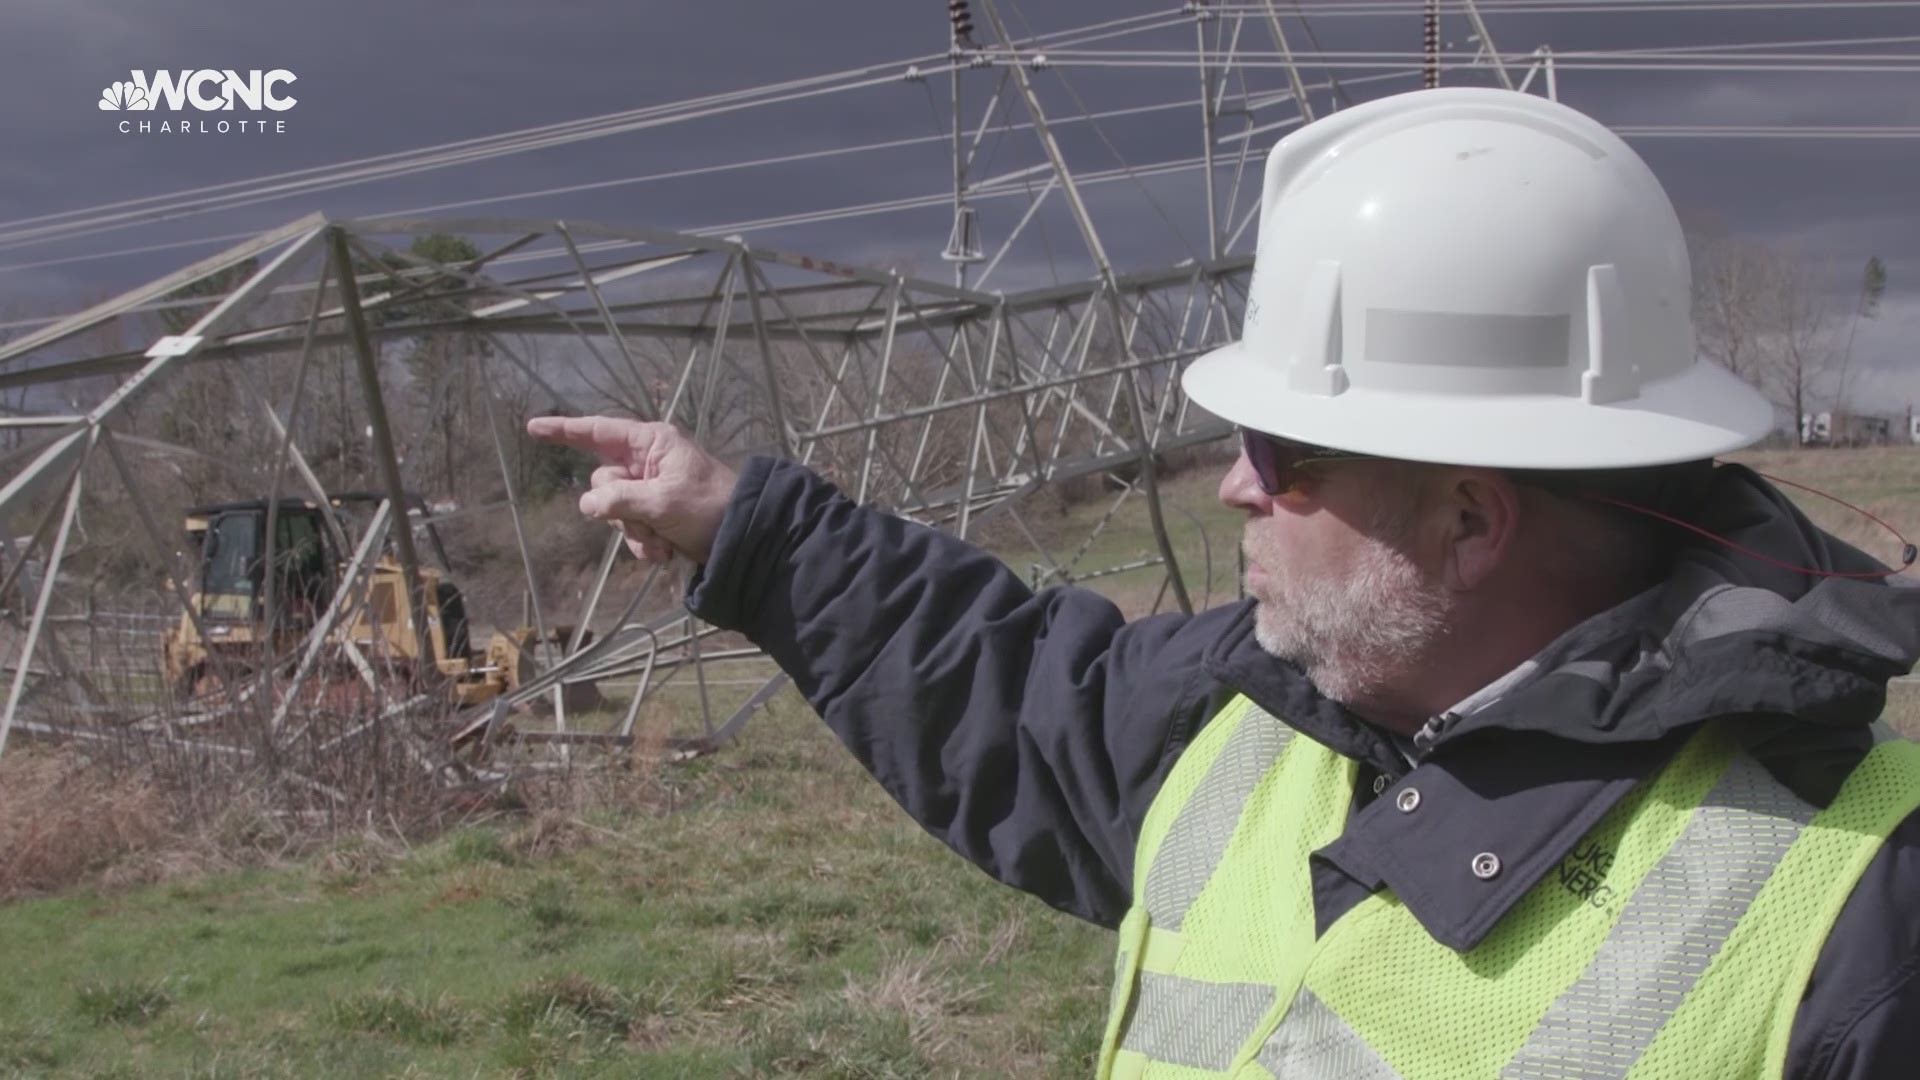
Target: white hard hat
x: 1474, y: 277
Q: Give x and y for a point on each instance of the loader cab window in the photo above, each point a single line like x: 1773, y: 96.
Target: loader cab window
x: 233, y: 554
x: 305, y: 580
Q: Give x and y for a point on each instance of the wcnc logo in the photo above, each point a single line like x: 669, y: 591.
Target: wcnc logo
x: 208, y: 90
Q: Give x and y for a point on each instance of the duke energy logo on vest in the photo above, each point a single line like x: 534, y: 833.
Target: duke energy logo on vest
x: 207, y: 90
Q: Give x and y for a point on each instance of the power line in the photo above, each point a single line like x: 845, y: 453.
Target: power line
x: 43, y: 233
x: 1006, y: 189
x: 1064, y: 47
x: 386, y: 166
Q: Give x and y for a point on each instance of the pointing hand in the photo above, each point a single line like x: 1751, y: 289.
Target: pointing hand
x: 666, y: 493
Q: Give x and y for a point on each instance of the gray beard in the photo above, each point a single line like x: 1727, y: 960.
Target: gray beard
x: 1355, y: 635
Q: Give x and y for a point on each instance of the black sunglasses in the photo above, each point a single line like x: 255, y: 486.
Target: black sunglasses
x: 1282, y: 466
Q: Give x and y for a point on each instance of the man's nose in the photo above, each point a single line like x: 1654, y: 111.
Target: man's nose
x: 1240, y: 487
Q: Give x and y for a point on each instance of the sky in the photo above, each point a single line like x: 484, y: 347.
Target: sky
x: 385, y: 76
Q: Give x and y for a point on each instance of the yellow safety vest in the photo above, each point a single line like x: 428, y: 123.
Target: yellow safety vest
x: 1686, y: 957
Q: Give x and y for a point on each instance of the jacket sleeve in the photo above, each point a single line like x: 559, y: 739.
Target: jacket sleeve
x: 1029, y: 732
x: 1860, y: 1017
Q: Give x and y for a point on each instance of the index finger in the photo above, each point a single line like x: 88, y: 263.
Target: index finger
x: 612, y: 438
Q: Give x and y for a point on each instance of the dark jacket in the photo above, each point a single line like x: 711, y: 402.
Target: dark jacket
x: 1030, y: 731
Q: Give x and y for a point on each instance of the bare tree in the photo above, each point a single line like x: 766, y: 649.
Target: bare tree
x: 1734, y: 292
x: 1761, y: 311
x: 1799, y: 343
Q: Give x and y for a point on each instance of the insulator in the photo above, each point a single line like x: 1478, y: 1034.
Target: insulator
x: 1430, y: 40
x: 962, y: 19
x: 963, y: 244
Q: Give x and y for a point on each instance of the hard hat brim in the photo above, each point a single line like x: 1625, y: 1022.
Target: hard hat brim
x: 1702, y: 412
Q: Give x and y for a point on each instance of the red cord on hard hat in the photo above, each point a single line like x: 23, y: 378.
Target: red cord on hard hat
x: 1908, y: 552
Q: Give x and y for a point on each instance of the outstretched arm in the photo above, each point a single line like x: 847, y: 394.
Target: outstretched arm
x: 1027, y: 731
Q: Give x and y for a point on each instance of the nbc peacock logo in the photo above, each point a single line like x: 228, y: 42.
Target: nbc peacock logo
x: 124, y: 95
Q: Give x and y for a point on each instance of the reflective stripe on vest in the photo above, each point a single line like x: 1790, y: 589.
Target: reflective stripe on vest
x: 1314, y: 1042
x: 1671, y: 929
x: 1199, y: 835
x: 1191, y: 1022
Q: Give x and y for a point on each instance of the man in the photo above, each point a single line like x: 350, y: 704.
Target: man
x: 1542, y: 747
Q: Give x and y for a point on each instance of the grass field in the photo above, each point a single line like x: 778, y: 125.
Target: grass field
x: 780, y: 917
x: 765, y: 911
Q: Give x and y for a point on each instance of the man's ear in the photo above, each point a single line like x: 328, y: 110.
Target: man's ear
x: 1481, y: 517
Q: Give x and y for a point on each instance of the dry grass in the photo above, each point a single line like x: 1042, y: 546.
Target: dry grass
x: 59, y: 825
x: 67, y: 819
x: 1883, y: 480
x: 923, y: 990
x: 73, y: 815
